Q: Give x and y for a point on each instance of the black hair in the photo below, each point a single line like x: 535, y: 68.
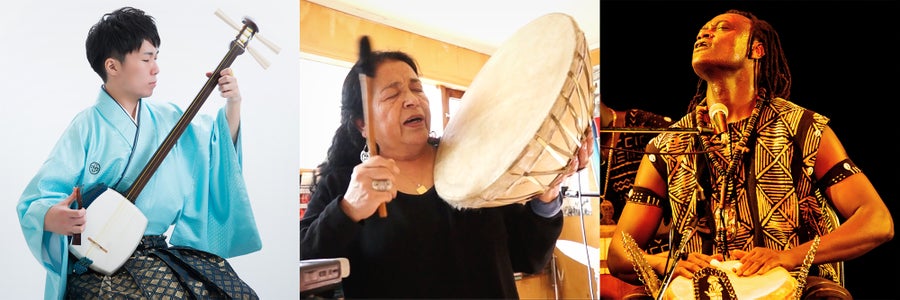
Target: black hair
x: 117, y: 34
x: 348, y: 141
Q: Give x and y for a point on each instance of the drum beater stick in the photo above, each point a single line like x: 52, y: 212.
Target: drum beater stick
x: 370, y: 129
x: 365, y: 87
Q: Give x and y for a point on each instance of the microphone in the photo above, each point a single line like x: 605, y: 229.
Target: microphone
x: 718, y: 112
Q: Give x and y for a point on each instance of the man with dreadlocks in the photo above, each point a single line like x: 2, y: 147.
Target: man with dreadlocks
x: 772, y: 189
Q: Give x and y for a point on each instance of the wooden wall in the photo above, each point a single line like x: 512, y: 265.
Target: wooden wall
x: 335, y: 35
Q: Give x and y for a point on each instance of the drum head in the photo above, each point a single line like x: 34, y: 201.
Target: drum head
x: 777, y: 283
x: 513, y: 96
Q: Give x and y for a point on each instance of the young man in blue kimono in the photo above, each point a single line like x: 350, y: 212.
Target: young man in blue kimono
x: 198, y: 188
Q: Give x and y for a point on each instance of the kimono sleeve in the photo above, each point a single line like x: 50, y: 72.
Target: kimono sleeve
x: 53, y: 182
x: 221, y: 219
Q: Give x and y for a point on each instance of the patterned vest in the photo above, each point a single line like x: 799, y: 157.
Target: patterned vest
x: 778, y: 204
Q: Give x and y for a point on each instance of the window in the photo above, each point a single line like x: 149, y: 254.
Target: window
x: 320, y: 104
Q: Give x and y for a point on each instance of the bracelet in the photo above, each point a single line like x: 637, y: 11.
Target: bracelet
x: 642, y: 268
x: 642, y: 195
x: 838, y: 173
x: 804, y: 269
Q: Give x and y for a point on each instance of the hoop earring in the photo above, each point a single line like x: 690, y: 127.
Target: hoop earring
x: 433, y: 139
x: 364, y: 154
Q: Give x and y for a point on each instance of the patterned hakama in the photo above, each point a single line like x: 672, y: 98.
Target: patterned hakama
x: 157, y: 271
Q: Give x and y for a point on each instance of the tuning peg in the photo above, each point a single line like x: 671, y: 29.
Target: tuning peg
x: 259, y: 59
x: 234, y: 25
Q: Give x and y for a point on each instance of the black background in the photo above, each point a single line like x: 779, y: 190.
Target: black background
x: 843, y: 60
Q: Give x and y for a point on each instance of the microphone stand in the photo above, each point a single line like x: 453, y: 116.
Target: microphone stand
x: 685, y: 236
x: 698, y: 130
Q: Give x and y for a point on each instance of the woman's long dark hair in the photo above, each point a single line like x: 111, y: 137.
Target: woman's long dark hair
x: 348, y: 141
x: 773, y: 77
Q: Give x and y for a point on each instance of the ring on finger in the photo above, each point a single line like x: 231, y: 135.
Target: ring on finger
x: 381, y: 185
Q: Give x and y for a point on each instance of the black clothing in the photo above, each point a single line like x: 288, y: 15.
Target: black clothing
x: 425, y: 248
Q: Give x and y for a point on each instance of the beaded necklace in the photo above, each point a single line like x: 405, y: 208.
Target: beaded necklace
x: 725, y: 214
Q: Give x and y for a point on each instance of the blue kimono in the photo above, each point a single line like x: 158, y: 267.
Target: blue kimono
x: 198, y: 188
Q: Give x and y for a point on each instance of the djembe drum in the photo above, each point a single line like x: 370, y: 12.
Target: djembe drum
x: 777, y: 283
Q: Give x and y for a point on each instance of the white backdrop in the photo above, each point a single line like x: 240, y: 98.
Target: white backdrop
x: 46, y: 80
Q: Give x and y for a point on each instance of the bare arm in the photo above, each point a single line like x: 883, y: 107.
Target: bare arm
x: 639, y: 221
x: 228, y: 87
x: 868, y: 223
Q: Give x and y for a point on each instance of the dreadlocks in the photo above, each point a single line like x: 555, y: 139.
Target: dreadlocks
x: 773, y: 77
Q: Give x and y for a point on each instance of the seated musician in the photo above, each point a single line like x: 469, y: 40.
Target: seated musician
x: 424, y: 247
x: 765, y: 190
x: 199, y: 188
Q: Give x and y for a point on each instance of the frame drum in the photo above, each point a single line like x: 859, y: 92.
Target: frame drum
x: 522, y: 119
